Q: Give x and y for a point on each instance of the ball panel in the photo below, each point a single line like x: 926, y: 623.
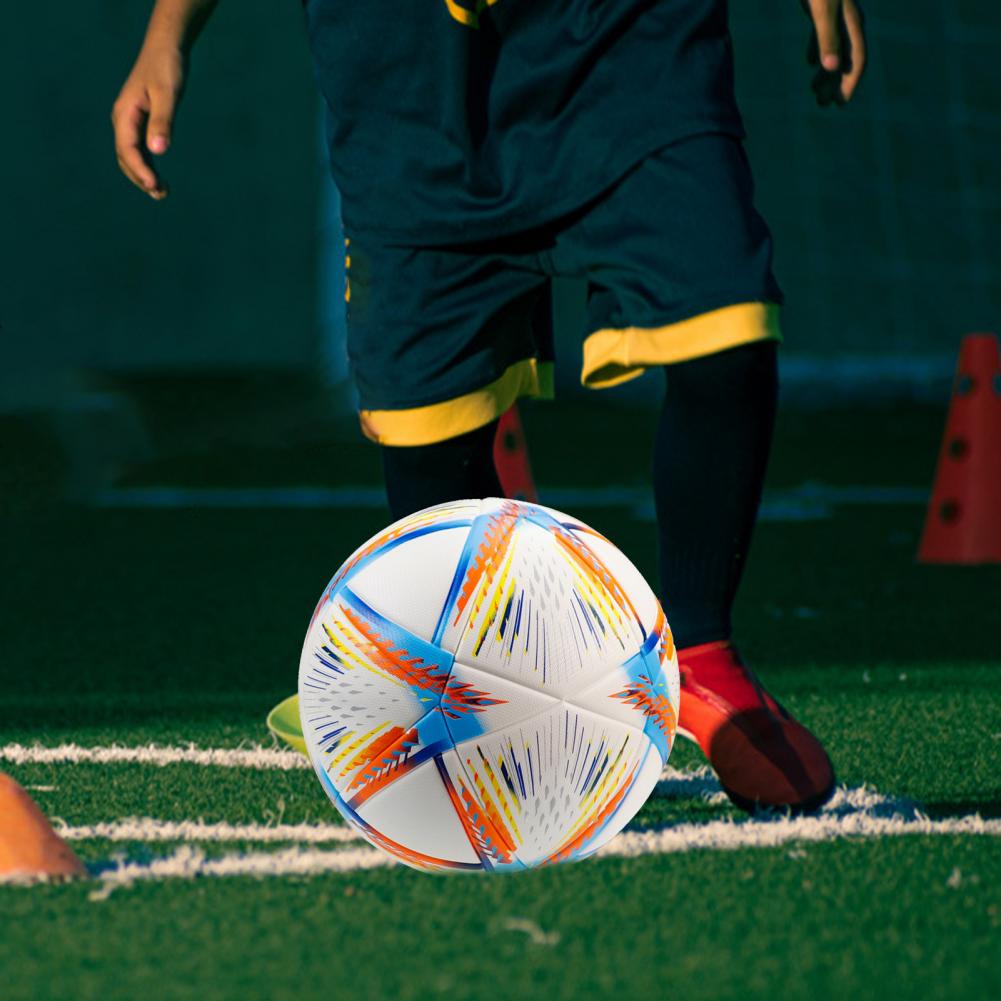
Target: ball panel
x: 642, y: 692
x: 454, y: 513
x: 477, y: 702
x: 632, y: 582
x: 416, y: 812
x: 539, y: 609
x: 643, y: 783
x: 608, y: 697
x: 375, y: 837
x: 409, y: 582
x: 547, y: 786
x: 366, y: 687
x: 339, y: 681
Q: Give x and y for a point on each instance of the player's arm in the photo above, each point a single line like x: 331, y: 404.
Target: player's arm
x: 837, y: 48
x: 143, y: 113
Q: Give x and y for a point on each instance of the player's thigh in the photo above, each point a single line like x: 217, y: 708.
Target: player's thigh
x: 677, y: 258
x: 427, y: 326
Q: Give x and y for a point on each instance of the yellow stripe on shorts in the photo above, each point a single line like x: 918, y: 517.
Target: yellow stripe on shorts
x: 440, y: 421
x: 613, y: 356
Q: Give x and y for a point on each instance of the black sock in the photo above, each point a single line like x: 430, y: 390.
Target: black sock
x: 454, y: 469
x: 709, y: 465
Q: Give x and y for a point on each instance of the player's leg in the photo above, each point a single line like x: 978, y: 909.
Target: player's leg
x: 462, y: 466
x: 713, y: 438
x: 453, y: 469
x: 679, y: 266
x: 441, y: 342
x: 711, y: 451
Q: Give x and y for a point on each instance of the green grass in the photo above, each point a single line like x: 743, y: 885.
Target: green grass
x: 840, y: 920
x: 175, y: 626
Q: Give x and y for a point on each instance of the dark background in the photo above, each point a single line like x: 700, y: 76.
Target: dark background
x: 133, y: 330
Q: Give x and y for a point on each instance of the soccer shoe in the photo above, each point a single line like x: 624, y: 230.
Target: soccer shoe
x: 762, y: 756
x: 283, y: 721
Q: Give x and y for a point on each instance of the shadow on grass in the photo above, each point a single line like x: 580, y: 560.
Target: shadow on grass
x: 988, y: 808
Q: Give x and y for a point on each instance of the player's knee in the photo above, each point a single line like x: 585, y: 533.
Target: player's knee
x: 748, y: 369
x: 471, y: 446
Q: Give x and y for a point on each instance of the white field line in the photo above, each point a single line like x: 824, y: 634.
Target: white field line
x: 726, y: 835
x: 188, y: 862
x: 808, y: 501
x: 154, y: 754
x: 674, y: 783
x: 851, y: 814
x: 149, y: 829
x: 700, y: 782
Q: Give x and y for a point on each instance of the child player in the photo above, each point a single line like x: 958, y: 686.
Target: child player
x: 484, y: 147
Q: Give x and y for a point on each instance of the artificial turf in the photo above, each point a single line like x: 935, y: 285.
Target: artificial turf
x: 861, y: 920
x: 172, y: 626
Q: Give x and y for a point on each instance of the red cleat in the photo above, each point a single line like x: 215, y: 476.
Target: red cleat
x: 762, y: 756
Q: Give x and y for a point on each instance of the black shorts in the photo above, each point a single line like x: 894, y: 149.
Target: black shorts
x: 677, y: 262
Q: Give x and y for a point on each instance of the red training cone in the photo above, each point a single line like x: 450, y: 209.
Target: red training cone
x: 963, y: 524
x: 29, y: 847
x: 511, y: 458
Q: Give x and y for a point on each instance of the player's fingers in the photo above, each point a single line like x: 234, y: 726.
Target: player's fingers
x: 127, y: 170
x: 128, y: 123
x: 157, y: 193
x: 855, y: 29
x: 161, y: 119
x: 826, y: 22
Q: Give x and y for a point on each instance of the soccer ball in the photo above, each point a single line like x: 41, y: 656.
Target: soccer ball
x: 488, y: 685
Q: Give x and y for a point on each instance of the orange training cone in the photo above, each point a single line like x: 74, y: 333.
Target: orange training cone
x: 29, y: 847
x: 963, y: 524
x: 511, y: 458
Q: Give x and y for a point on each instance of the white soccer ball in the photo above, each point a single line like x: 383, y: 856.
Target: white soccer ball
x: 488, y: 685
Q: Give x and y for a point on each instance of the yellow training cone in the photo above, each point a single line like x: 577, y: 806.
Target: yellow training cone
x: 284, y: 723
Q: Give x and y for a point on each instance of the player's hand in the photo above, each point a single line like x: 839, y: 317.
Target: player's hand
x: 143, y: 115
x: 837, y: 48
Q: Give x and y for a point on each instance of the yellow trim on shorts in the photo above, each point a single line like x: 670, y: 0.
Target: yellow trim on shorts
x: 470, y: 18
x: 615, y: 356
x: 440, y: 421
